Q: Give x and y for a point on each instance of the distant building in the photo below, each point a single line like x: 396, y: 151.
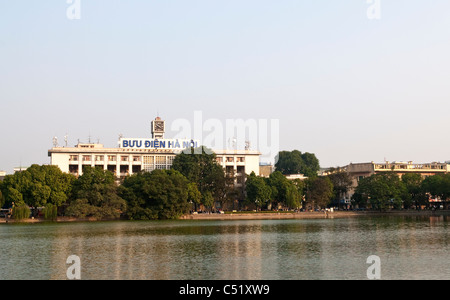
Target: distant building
x: 2, y: 175
x: 265, y: 169
x: 296, y: 176
x: 359, y: 171
x: 142, y: 154
x: 400, y: 168
x: 20, y: 169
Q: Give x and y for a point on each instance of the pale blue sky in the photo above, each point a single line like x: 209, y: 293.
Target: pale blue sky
x: 344, y: 87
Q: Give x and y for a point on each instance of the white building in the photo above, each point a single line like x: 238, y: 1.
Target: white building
x: 136, y: 155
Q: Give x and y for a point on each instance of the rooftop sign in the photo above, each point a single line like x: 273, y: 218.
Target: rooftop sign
x: 170, y: 144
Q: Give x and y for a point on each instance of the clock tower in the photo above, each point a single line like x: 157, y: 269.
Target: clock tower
x: 158, y: 126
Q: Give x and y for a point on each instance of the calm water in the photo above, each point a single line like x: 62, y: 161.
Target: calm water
x: 409, y: 248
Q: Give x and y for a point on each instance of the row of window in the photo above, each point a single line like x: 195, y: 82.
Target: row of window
x: 230, y: 159
x: 144, y: 159
x: 124, y: 158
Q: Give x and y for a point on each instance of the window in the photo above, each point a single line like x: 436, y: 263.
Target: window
x: 136, y: 158
x: 124, y: 158
x: 112, y: 158
x: 241, y: 159
x: 170, y: 160
x: 73, y: 169
x: 219, y: 159
x: 161, y: 160
x: 230, y: 159
x: 87, y: 158
x: 148, y: 168
x: 148, y: 163
x: 229, y: 171
x: 73, y: 158
x: 99, y: 158
x: 148, y: 160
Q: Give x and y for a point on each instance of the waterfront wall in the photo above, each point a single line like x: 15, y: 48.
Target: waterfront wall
x: 265, y: 216
x: 310, y: 215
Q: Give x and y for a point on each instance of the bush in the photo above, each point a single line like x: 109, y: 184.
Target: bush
x: 50, y: 212
x: 21, y: 212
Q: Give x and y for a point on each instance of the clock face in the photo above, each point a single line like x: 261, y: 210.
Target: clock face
x: 159, y: 126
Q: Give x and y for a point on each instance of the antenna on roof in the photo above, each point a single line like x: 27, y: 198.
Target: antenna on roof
x: 55, y: 142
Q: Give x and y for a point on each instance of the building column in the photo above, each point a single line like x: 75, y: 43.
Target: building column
x: 118, y: 166
x: 80, y: 164
x: 130, y: 165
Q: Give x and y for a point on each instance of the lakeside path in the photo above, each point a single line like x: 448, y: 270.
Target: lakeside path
x: 265, y: 216
x: 310, y: 215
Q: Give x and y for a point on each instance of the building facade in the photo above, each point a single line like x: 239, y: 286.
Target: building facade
x: 141, y: 154
x: 359, y: 171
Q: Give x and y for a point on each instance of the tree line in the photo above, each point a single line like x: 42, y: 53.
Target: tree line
x: 388, y: 190
x: 197, y: 181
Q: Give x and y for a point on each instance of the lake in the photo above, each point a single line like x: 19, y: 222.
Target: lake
x: 413, y: 247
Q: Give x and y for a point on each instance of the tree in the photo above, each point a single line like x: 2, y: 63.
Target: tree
x: 21, y: 212
x: 95, y: 194
x: 295, y: 162
x: 382, y: 191
x: 289, y: 162
x: 199, y: 166
x: 194, y: 195
x: 283, y: 191
x: 433, y: 186
x: 258, y: 192
x: 50, y: 212
x: 341, y: 181
x: 320, y: 192
x: 2, y: 201
x: 415, y: 194
x: 161, y: 194
x: 14, y: 187
x: 300, y: 185
x: 311, y: 165
x: 438, y: 186
x: 37, y: 186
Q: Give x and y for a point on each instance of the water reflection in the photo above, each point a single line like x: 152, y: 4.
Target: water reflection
x: 409, y: 248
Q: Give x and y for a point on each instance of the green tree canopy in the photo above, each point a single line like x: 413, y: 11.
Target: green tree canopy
x: 382, y: 191
x: 283, y: 191
x: 296, y: 162
x: 199, y: 166
x: 161, y: 194
x: 258, y: 192
x: 2, y: 201
x: 320, y: 192
x: 37, y: 186
x: 415, y: 193
x: 438, y: 186
x: 341, y: 181
x: 95, y: 194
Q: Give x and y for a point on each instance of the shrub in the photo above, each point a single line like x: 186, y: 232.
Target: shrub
x: 50, y: 212
x: 21, y: 212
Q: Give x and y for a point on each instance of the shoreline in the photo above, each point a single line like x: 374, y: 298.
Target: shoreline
x: 311, y: 215
x: 256, y: 216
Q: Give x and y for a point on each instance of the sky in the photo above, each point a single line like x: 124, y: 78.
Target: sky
x: 344, y: 85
